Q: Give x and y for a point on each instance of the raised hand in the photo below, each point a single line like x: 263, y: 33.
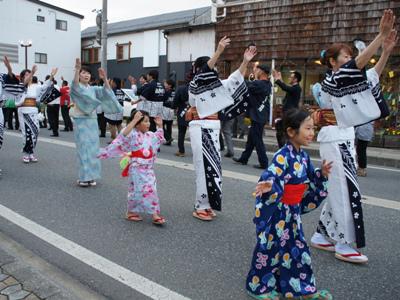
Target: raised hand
x: 263, y: 187
x: 390, y: 42
x: 158, y: 121
x: 78, y: 64
x: 326, y: 168
x: 7, y: 64
x: 249, y: 54
x: 34, y: 69
x: 102, y: 74
x: 138, y: 116
x: 54, y: 72
x: 277, y: 75
x: 132, y: 79
x: 223, y: 43
x: 387, y: 22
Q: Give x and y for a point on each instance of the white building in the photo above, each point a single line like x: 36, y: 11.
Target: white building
x: 55, y: 34
x: 167, y: 42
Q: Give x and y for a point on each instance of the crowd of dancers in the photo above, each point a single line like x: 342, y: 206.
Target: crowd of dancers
x: 290, y: 186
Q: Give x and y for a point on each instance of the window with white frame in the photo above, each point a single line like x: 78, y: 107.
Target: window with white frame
x: 40, y: 18
x: 61, y: 25
x: 40, y: 58
x: 123, y: 51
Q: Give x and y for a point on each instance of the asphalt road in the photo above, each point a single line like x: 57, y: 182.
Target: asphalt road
x: 195, y: 259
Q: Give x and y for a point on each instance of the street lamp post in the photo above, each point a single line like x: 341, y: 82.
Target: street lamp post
x: 26, y: 45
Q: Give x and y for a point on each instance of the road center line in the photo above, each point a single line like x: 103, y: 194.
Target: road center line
x: 385, y: 203
x: 135, y: 281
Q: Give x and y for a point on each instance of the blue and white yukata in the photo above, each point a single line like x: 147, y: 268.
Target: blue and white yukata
x: 86, y: 99
x: 281, y: 260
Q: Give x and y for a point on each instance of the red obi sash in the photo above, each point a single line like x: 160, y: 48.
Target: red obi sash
x: 293, y: 193
x: 144, y: 154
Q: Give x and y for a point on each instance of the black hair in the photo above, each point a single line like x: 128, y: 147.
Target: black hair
x: 34, y: 79
x: 54, y: 81
x: 117, y: 82
x: 65, y: 82
x: 293, y: 119
x: 154, y: 74
x: 200, y: 62
x: 47, y: 77
x: 171, y: 83
x: 143, y: 76
x: 23, y: 73
x: 133, y: 113
x: 297, y: 75
x: 86, y: 69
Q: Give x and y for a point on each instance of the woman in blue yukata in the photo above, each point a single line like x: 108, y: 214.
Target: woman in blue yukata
x: 281, y: 264
x: 86, y: 99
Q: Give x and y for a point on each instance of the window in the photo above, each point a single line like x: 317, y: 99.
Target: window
x: 123, y: 51
x: 90, y: 56
x: 40, y: 58
x: 61, y: 25
x: 40, y: 18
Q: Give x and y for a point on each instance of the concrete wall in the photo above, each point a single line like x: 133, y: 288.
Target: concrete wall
x: 18, y: 22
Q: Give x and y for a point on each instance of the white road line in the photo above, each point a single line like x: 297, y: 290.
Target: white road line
x: 391, y: 204
x: 135, y: 281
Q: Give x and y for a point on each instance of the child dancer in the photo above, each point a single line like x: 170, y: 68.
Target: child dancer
x: 142, y: 146
x: 291, y: 186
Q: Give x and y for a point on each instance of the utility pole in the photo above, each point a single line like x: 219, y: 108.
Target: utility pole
x: 104, y: 36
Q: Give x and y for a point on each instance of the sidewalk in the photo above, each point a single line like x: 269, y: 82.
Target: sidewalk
x: 376, y: 156
x: 26, y: 276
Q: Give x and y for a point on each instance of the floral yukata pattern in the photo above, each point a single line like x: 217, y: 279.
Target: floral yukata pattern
x: 142, y: 191
x: 281, y: 260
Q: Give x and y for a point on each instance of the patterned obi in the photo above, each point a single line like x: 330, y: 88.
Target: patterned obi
x: 293, y: 193
x: 192, y: 115
x: 324, y: 117
x: 142, y: 153
x: 29, y: 102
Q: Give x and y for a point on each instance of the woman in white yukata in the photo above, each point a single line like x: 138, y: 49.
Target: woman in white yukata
x: 86, y: 99
x: 341, y: 219
x: 211, y: 99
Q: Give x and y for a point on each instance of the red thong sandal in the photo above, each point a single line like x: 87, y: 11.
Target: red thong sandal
x: 355, y: 258
x: 159, y: 221
x: 202, y: 215
x: 211, y: 212
x: 133, y: 218
x: 326, y: 247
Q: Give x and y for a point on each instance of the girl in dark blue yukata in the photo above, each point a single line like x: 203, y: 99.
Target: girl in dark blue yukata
x: 289, y: 187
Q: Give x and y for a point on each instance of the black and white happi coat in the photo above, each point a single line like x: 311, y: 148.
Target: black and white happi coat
x: 28, y: 116
x: 10, y: 89
x: 210, y: 95
x: 341, y: 218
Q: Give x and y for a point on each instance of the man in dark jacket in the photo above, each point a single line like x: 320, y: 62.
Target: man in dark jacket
x: 260, y: 92
x: 181, y: 103
x: 291, y: 100
x: 153, y: 93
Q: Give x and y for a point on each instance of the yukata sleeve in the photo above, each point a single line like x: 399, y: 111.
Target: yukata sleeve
x: 83, y: 98
x: 276, y: 174
x: 108, y: 100
x: 158, y: 139
x: 317, y: 189
x: 119, y: 147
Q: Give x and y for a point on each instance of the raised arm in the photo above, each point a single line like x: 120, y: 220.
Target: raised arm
x: 78, y: 66
x: 225, y: 41
x: 387, y: 47
x: 385, y: 28
x: 248, y: 55
x: 103, y: 75
x: 8, y: 66
x: 28, y: 77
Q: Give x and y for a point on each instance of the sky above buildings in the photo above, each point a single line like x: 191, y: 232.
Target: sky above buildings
x: 119, y: 10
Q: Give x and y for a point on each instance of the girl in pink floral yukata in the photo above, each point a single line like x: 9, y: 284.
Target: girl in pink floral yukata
x: 141, y: 146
